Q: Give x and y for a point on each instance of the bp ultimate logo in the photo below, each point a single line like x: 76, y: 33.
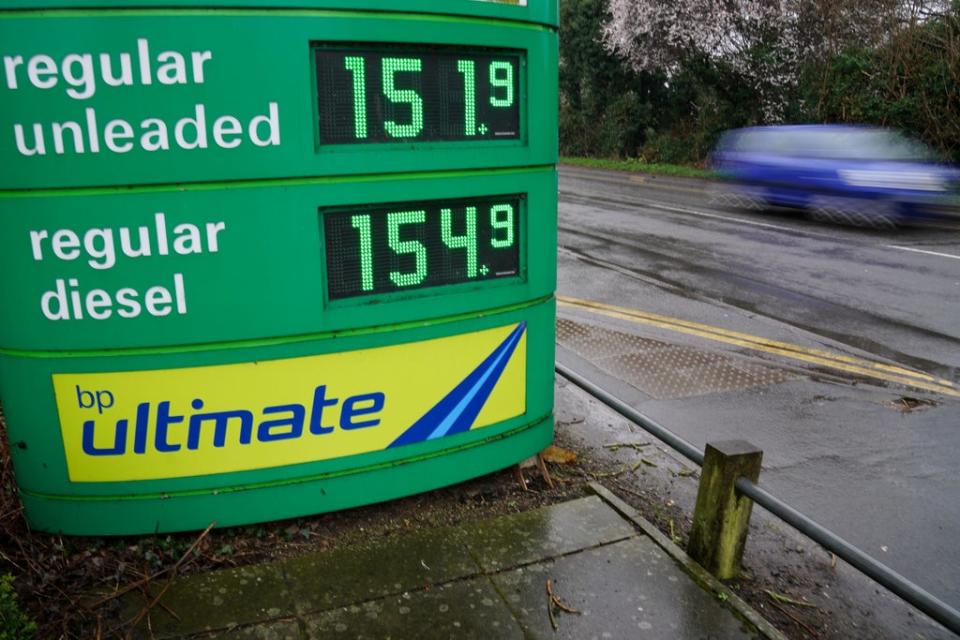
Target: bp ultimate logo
x: 142, y: 425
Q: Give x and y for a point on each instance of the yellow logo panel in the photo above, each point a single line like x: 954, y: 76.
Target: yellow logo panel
x: 174, y: 423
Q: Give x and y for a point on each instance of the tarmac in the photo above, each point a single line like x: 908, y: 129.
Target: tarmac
x: 588, y: 568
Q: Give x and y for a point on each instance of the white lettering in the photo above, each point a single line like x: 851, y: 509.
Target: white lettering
x: 58, y: 128
x: 127, y: 300
x: 273, y: 123
x: 157, y: 301
x: 98, y: 245
x: 98, y: 299
x: 92, y: 135
x: 118, y: 130
x: 58, y: 296
x: 85, y: 81
x: 10, y: 64
x: 198, y: 58
x: 199, y: 124
x: 220, y: 129
x: 66, y: 301
x: 154, y: 140
x: 181, y: 295
x: 127, y: 248
x: 65, y: 244
x: 75, y: 299
x: 188, y: 239
x: 143, y: 56
x: 126, y: 70
x: 174, y: 71
x: 39, y: 148
x: 161, y: 222
x: 213, y: 230
x: 36, y: 237
x: 42, y: 72
x: 80, y: 71
x: 104, y: 255
x: 152, y: 134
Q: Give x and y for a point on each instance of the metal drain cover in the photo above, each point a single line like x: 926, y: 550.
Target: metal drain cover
x: 659, y: 369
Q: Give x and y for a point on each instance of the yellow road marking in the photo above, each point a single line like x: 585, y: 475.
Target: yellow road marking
x: 757, y: 339
x: 859, y: 366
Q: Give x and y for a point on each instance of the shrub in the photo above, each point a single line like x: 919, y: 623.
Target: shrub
x: 14, y: 623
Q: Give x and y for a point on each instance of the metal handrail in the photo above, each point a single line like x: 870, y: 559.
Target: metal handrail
x: 849, y: 553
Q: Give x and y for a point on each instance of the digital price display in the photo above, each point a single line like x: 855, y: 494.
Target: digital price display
x: 412, y: 245
x: 370, y: 93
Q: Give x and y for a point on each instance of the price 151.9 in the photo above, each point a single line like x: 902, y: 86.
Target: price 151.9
x: 368, y: 96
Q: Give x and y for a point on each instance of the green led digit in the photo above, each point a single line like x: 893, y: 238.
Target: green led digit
x: 466, y: 67
x: 362, y: 224
x: 501, y: 218
x: 355, y: 64
x: 501, y: 77
x: 392, y: 66
x: 467, y: 241
x: 400, y: 247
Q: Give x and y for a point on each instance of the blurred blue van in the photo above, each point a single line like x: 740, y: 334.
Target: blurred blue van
x: 857, y: 175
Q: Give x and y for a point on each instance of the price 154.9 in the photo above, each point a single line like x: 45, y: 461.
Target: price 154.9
x: 371, y: 250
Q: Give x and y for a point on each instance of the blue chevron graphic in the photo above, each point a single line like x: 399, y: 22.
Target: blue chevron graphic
x: 456, y: 412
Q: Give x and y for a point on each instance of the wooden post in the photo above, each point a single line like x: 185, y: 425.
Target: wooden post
x: 721, y: 517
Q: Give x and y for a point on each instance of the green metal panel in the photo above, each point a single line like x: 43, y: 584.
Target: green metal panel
x: 242, y: 505
x: 257, y: 59
x: 192, y: 502
x: 540, y: 11
x: 278, y: 275
x: 242, y: 392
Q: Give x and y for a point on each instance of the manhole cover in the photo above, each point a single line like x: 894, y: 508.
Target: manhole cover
x: 660, y: 369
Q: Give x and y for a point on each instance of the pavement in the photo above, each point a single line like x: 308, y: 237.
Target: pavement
x: 828, y: 347
x: 612, y: 573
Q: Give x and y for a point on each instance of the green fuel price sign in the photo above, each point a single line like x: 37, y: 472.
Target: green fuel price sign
x: 412, y: 245
x: 270, y: 258
x: 369, y: 94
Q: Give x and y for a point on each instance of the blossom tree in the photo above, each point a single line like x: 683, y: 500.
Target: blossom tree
x: 763, y: 42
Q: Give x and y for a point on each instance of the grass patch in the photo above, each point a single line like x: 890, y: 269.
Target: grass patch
x: 637, y: 165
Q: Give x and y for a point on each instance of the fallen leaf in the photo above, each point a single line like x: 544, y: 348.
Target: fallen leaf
x: 557, y: 455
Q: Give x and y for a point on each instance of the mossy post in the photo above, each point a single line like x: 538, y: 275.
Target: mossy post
x: 721, y: 517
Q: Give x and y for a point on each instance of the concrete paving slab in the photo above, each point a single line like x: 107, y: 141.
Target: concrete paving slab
x: 386, y: 567
x: 284, y: 630
x: 628, y: 589
x: 217, y: 600
x: 479, y: 580
x: 544, y: 533
x: 459, y: 610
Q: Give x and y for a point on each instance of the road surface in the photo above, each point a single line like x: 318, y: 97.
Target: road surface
x: 836, y: 350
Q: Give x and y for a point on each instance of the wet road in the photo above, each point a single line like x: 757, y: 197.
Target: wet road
x: 845, y: 318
